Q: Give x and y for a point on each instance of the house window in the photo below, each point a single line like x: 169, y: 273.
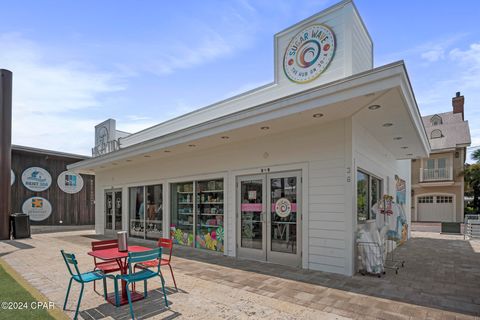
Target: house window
x: 437, y: 133
x: 369, y: 191
x: 436, y: 120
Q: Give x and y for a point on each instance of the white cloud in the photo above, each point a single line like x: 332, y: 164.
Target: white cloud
x: 434, y: 55
x: 46, y: 93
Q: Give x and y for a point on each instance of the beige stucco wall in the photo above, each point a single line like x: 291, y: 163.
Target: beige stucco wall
x: 457, y: 189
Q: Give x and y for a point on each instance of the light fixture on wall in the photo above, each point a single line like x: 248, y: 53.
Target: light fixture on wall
x: 374, y: 107
x: 317, y: 115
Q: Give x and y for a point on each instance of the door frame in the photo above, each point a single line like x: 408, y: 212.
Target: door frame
x: 266, y: 254
x: 112, y: 191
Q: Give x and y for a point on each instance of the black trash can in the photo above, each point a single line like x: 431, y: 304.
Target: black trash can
x: 20, y: 225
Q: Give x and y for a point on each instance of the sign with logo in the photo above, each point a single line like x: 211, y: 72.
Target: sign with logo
x: 12, y: 177
x: 309, y: 53
x: 36, y: 179
x: 283, y: 207
x: 70, y: 182
x: 37, y: 208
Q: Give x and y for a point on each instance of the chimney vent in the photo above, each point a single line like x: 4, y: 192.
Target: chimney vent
x: 458, y: 103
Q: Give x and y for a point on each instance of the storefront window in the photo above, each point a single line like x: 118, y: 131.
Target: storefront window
x: 146, y: 218
x: 209, y: 215
x: 181, y: 225
x: 369, y: 192
x: 137, y: 212
x: 199, y: 204
x: 154, y: 217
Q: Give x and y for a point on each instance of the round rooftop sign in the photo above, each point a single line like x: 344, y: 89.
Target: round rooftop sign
x: 309, y: 53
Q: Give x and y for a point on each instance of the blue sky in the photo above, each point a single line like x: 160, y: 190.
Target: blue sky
x: 77, y: 63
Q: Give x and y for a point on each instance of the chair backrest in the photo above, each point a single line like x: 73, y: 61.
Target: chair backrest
x: 166, y: 244
x: 143, y: 256
x: 104, y: 244
x: 70, y: 259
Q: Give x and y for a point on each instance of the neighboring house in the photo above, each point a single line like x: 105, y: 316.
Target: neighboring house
x: 437, y: 181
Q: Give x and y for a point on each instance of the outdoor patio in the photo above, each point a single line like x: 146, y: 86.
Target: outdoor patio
x: 439, y: 281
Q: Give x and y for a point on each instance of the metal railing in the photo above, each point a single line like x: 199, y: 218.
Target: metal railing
x: 439, y: 174
x: 472, y: 226
x: 105, y: 148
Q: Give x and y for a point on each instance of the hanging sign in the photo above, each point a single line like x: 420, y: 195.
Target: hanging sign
x: 283, y: 207
x: 37, y: 208
x: 309, y: 53
x: 252, y: 195
x: 36, y: 179
x: 12, y: 177
x: 70, y: 182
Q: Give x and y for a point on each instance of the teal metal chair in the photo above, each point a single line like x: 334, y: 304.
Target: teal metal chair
x: 82, y: 278
x: 143, y: 275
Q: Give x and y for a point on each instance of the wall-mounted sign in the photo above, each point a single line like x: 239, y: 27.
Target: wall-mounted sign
x: 309, y: 53
x: 283, y: 207
x: 37, y: 208
x: 12, y: 177
x: 36, y: 179
x: 70, y: 182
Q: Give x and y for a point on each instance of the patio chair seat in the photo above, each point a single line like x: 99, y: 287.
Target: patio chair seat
x: 153, y: 263
x: 138, y: 276
x: 89, y: 276
x: 108, y: 266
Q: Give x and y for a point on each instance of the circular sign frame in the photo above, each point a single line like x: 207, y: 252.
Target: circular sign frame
x: 36, y: 179
x: 12, y: 177
x: 37, y: 208
x: 70, y: 182
x: 283, y: 207
x: 309, y: 53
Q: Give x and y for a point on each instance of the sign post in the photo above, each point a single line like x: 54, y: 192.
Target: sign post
x: 5, y: 151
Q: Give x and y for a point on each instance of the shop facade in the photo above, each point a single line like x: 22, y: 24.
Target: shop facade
x: 284, y: 173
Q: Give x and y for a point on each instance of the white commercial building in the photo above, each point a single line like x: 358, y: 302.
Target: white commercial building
x: 272, y: 174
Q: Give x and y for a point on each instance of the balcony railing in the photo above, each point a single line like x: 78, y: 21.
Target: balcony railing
x: 105, y: 148
x: 440, y: 174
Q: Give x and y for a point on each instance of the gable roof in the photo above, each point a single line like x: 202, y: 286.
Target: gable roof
x: 455, y: 131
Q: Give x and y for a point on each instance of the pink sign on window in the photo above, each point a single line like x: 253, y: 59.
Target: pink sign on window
x: 255, y: 207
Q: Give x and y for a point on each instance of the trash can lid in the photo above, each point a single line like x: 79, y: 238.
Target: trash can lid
x: 120, y: 232
x: 16, y: 214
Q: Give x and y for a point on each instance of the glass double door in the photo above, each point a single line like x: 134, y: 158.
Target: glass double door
x: 113, y: 210
x: 269, y: 217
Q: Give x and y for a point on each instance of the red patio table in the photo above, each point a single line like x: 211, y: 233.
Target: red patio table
x: 121, y: 258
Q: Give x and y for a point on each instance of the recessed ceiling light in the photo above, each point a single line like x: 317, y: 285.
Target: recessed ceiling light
x: 387, y: 124
x: 404, y: 147
x: 318, y: 115
x: 374, y: 107
x: 167, y: 151
x: 114, y: 163
x: 102, y: 166
x: 225, y: 137
x: 147, y: 156
x: 397, y: 138
x: 409, y: 154
x: 370, y: 94
x: 128, y: 160
x: 265, y: 128
x: 192, y: 145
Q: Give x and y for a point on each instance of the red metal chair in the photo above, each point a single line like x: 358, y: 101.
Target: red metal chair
x: 165, y: 244
x: 105, y: 266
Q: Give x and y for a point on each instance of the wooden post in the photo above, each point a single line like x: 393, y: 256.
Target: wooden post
x: 5, y: 151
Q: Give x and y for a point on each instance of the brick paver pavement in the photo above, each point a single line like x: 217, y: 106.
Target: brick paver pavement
x: 439, y: 281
